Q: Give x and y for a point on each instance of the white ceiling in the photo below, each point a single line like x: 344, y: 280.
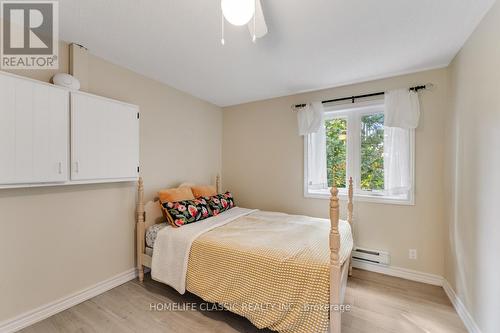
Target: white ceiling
x: 312, y: 44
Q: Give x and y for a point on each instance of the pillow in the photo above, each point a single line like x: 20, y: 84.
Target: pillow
x: 204, y: 191
x: 185, y: 212
x: 220, y: 203
x: 175, y: 194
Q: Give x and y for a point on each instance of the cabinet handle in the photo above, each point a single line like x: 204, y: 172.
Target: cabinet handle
x: 77, y: 167
x: 60, y: 168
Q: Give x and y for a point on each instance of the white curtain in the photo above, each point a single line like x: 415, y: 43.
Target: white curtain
x: 311, y: 123
x: 397, y: 177
x: 402, y: 109
x: 316, y: 147
x: 402, y: 113
x: 310, y: 118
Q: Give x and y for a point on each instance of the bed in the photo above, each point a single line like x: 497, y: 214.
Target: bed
x: 284, y: 272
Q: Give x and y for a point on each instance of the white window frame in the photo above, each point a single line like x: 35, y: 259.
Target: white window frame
x: 353, y: 113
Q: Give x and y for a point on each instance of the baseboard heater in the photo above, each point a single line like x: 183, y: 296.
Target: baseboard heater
x: 371, y: 256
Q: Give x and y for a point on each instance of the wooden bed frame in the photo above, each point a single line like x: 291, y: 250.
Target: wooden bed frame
x: 150, y: 214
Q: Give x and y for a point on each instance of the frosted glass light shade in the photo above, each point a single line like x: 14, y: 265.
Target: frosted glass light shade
x: 238, y: 12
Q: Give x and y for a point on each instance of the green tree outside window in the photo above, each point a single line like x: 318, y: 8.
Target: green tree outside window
x: 372, y: 152
x: 336, y: 151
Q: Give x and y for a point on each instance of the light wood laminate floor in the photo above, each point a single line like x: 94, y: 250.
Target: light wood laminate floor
x: 379, y: 304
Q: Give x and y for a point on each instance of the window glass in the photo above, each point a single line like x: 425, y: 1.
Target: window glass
x: 336, y: 151
x: 372, y: 152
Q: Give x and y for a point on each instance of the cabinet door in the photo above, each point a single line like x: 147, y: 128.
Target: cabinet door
x: 104, y: 139
x: 34, y: 132
x: 51, y: 134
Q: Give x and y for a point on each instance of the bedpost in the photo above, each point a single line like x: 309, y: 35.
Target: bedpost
x: 217, y: 183
x: 334, y: 230
x: 349, y: 215
x: 140, y: 228
x: 335, y: 269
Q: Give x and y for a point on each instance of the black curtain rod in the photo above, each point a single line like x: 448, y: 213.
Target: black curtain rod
x: 353, y: 98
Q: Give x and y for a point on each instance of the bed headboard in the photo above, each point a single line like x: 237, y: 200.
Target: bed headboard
x: 151, y: 210
x: 149, y: 214
x: 152, y: 213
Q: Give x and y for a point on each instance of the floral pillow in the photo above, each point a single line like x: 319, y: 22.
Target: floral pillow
x: 220, y: 203
x: 184, y: 212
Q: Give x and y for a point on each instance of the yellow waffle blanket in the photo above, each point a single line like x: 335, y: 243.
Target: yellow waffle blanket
x: 271, y: 268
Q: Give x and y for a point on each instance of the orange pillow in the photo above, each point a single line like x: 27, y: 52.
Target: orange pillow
x: 176, y: 194
x: 204, y: 191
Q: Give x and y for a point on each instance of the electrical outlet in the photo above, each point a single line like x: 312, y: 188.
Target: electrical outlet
x: 412, y: 254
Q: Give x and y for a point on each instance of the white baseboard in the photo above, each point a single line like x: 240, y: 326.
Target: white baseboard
x: 403, y: 273
x: 47, y: 310
x: 462, y: 311
x: 436, y: 280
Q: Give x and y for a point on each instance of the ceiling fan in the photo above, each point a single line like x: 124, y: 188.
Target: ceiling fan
x: 241, y: 12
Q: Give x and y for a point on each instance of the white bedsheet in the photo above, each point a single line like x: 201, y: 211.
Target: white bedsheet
x: 172, y: 247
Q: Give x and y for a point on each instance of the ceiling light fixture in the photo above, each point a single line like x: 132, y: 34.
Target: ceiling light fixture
x: 238, y: 12
x: 241, y: 12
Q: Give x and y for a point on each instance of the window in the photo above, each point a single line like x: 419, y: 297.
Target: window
x: 355, y: 143
x: 372, y: 152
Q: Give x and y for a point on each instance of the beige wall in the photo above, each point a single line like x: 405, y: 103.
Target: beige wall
x: 263, y: 165
x: 58, y: 240
x: 472, y: 261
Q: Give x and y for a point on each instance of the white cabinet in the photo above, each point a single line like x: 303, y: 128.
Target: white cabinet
x: 34, y: 132
x: 104, y: 139
x: 49, y: 136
